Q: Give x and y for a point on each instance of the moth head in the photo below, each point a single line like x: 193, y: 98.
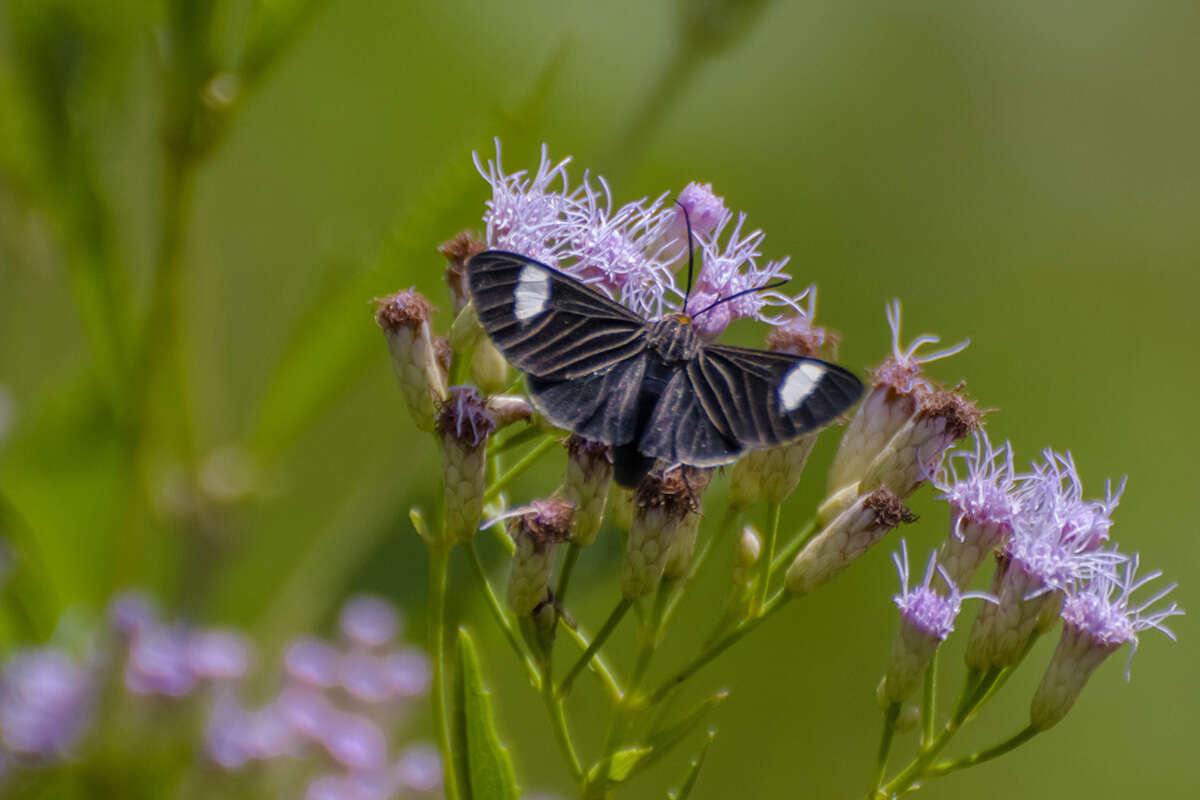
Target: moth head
x: 682, y: 319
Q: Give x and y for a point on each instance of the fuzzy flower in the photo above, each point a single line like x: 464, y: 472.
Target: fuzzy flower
x: 895, y: 397
x: 45, y: 702
x: 368, y: 621
x: 983, y: 505
x: 404, y: 319
x: 632, y: 251
x: 589, y: 471
x: 458, y: 252
x: 844, y: 539
x: 537, y: 533
x: 926, y: 619
x: 801, y: 336
x: 661, y: 504
x: 1098, y: 619
x: 465, y: 425
x: 1053, y: 547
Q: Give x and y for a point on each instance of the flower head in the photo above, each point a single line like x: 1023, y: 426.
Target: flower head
x: 368, y: 620
x: 45, y: 702
x: 1098, y: 618
x: 632, y: 251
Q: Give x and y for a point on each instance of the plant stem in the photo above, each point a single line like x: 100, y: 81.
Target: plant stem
x: 438, y: 563
x: 764, y: 563
x: 558, y: 722
x: 928, y: 702
x: 501, y: 617
x: 890, y: 715
x: 526, y: 461
x: 946, y: 767
x: 598, y: 666
x: 712, y: 651
x: 972, y: 696
x: 802, y: 537
x: 602, y: 635
x: 564, y: 575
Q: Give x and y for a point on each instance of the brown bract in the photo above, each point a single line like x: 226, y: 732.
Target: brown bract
x: 404, y: 309
x: 808, y: 342
x: 960, y: 414
x: 464, y: 416
x: 546, y: 522
x: 889, y: 511
x: 675, y: 492
x: 586, y: 450
x: 458, y: 252
x: 444, y: 353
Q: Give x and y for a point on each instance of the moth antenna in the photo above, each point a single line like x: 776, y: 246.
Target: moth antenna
x: 736, y: 295
x: 687, y: 221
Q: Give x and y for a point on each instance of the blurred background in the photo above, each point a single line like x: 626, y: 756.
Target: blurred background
x: 199, y: 199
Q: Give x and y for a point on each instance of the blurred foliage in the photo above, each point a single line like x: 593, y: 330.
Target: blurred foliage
x: 207, y: 194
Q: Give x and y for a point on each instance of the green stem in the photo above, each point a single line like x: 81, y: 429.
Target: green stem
x: 946, y: 767
x: 501, y: 617
x: 526, y: 461
x: 928, y: 702
x: 598, y: 666
x: 438, y: 564
x: 885, y: 744
x: 558, y: 722
x: 789, y: 551
x: 972, y: 695
x: 764, y: 563
x: 564, y: 575
x: 528, y: 434
x: 605, y: 631
x: 720, y: 646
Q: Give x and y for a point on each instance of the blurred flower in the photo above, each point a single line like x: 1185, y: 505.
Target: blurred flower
x: 312, y: 661
x: 218, y: 654
x: 158, y: 662
x: 420, y: 769
x: 1098, y: 619
x: 369, y: 621
x: 130, y: 611
x: 45, y: 702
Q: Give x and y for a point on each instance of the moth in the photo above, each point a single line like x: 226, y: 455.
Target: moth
x: 650, y: 388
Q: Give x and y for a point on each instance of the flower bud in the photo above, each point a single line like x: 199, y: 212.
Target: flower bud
x: 621, y: 507
x: 404, y: 318
x: 660, y: 505
x: 488, y: 367
x: 464, y: 425
x: 894, y: 397
x: 679, y: 559
x: 458, y: 252
x: 589, y: 469
x: 508, y: 408
x: 537, y: 534
x: 844, y: 539
x: 772, y: 474
x: 748, y: 552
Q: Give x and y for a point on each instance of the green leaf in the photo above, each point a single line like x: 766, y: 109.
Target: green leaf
x: 689, y: 780
x: 624, y: 762
x: 483, y: 764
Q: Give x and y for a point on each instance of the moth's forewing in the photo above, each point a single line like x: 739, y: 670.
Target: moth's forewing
x: 548, y: 324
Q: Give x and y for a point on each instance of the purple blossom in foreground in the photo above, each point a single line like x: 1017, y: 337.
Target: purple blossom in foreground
x: 1098, y: 619
x: 926, y: 618
x: 632, y: 251
x: 45, y: 703
x: 983, y: 505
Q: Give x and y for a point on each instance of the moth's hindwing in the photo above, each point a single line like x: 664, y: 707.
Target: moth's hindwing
x: 601, y: 407
x: 732, y: 398
x: 547, y: 324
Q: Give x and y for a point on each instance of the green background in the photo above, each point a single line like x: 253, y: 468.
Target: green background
x: 1024, y: 174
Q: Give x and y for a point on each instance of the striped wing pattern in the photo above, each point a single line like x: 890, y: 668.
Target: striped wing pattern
x: 567, y: 330
x: 728, y: 399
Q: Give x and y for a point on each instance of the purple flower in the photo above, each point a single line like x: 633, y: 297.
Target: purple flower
x: 420, y: 769
x: 465, y: 416
x: 369, y: 621
x: 312, y: 661
x: 218, y: 654
x: 409, y: 672
x: 632, y: 251
x: 355, y: 742
x: 45, y: 702
x: 158, y: 662
x: 130, y: 611
x: 926, y: 619
x: 305, y: 710
x: 983, y: 505
x: 366, y: 677
x: 1098, y: 619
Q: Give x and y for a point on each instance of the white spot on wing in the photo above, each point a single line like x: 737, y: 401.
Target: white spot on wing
x: 799, y: 383
x: 532, y: 294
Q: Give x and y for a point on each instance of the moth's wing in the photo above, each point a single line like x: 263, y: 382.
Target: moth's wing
x: 601, y: 407
x: 761, y: 398
x: 681, y: 431
x: 547, y: 323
